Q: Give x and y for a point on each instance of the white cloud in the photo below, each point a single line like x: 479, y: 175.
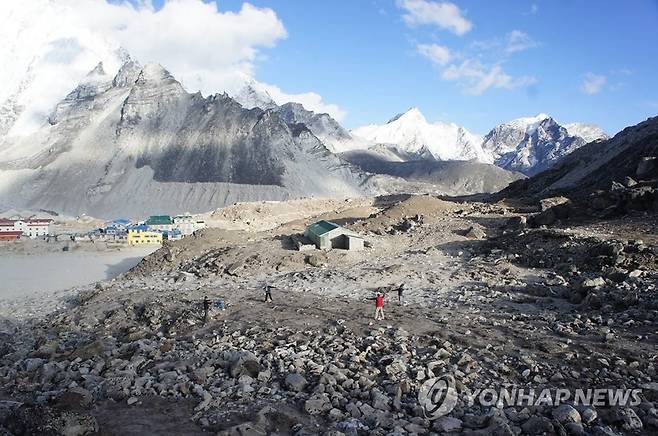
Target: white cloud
x: 519, y: 41
x: 47, y: 46
x: 438, y: 54
x: 445, y: 15
x: 310, y: 100
x: 534, y: 9
x: 593, y: 83
x: 514, y: 42
x: 476, y: 77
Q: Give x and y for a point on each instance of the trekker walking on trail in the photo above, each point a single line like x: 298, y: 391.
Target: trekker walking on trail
x: 206, y: 308
x: 268, y: 292
x: 400, y: 292
x: 379, y: 306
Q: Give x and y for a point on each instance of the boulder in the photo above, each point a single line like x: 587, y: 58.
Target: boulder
x: 566, y: 413
x: 628, y: 419
x: 317, y: 404
x: 244, y: 363
x: 475, y: 232
x: 537, y: 425
x: 447, y: 424
x: 316, y: 260
x: 296, y: 382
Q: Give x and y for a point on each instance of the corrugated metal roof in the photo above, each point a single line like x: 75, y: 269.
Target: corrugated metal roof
x: 155, y: 220
x: 139, y: 228
x: 322, y: 227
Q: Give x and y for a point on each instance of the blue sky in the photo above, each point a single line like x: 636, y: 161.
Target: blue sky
x: 575, y: 60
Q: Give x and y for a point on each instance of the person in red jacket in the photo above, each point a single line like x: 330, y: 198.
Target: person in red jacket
x: 379, y: 306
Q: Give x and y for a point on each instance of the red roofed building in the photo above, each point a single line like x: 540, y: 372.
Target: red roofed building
x: 10, y: 236
x: 33, y: 227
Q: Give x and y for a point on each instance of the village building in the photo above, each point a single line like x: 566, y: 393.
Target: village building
x: 117, y: 226
x: 327, y: 235
x: 143, y: 234
x: 187, y: 224
x: 10, y: 235
x: 163, y: 223
x: 173, y: 235
x: 32, y: 228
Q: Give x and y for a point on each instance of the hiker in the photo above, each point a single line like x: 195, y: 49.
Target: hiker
x: 379, y: 306
x: 400, y: 291
x: 206, y: 308
x: 268, y: 293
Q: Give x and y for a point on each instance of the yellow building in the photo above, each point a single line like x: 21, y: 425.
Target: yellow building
x: 140, y: 235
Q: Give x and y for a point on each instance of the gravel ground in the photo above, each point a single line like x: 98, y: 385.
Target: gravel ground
x: 491, y: 304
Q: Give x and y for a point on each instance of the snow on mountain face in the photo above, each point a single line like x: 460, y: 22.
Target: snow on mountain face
x: 410, y: 133
x: 533, y: 144
x: 250, y: 96
x: 33, y: 80
x: 589, y: 132
x: 138, y: 143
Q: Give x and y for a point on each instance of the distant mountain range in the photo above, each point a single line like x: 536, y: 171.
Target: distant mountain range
x: 527, y: 145
x: 135, y: 142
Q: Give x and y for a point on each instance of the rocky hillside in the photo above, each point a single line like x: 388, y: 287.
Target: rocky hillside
x: 600, y: 180
x: 332, y: 134
x: 597, y: 165
x: 328, y: 130
x: 138, y: 143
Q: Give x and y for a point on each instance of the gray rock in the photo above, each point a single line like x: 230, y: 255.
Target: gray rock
x: 475, y: 232
x: 244, y: 363
x: 447, y: 424
x: 296, y: 382
x: 588, y: 415
x: 537, y: 425
x: 594, y: 283
x: 317, y: 404
x: 628, y: 418
x: 566, y: 413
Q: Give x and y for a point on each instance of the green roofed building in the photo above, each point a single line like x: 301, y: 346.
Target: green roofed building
x: 327, y: 235
x: 160, y: 222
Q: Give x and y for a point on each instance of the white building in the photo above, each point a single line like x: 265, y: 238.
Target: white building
x: 187, y: 224
x: 32, y: 228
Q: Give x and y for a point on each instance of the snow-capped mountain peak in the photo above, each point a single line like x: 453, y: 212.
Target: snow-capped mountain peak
x: 412, y: 134
x: 533, y: 144
x: 412, y: 115
x: 251, y: 96
x: 529, y: 124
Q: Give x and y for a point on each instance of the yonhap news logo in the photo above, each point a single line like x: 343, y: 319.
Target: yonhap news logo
x: 438, y: 396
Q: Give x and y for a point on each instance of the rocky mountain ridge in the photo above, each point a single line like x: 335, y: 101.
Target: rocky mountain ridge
x: 138, y: 143
x: 533, y: 144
